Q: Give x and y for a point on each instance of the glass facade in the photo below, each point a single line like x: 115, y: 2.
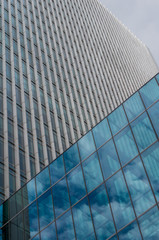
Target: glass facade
x: 103, y: 187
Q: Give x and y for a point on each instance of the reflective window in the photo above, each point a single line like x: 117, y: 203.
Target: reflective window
x: 126, y: 146
x: 120, y: 201
x: 71, y: 157
x: 157, y: 77
x: 60, y: 197
x: 49, y: 233
x: 86, y: 145
x: 102, y: 217
x: 92, y: 172
x: 29, y: 192
x: 149, y: 224
x: 108, y: 159
x: 42, y: 181
x: 154, y: 115
x: 76, y: 185
x: 133, y: 106
x: 117, y: 120
x: 143, y: 131
x: 37, y: 237
x: 131, y: 232
x: 150, y: 92
x: 139, y: 187
x: 151, y: 162
x: 65, y: 228
x: 101, y: 133
x: 45, y: 209
x: 83, y: 221
x: 57, y: 170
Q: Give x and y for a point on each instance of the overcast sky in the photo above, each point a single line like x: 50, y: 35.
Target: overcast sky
x: 141, y: 17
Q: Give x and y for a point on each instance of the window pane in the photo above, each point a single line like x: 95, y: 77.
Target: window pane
x: 86, y: 145
x: 102, y: 217
x: 117, y: 120
x: 150, y: 92
x: 126, y: 146
x: 120, y: 201
x: 151, y: 162
x: 42, y: 181
x: 133, y: 106
x: 76, y: 185
x: 131, y: 232
x: 45, y: 207
x: 83, y: 221
x: 49, y: 233
x: 149, y: 224
x: 154, y: 115
x: 138, y: 186
x: 143, y: 131
x: 65, y: 229
x: 92, y: 172
x: 71, y: 157
x: 109, y: 159
x: 101, y: 133
x: 29, y: 192
x: 31, y: 220
x: 60, y: 197
x: 57, y: 170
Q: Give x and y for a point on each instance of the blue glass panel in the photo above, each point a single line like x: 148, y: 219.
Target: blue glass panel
x: 29, y: 192
x: 131, y: 232
x: 31, y: 220
x: 126, y: 146
x: 139, y: 186
x: 45, y: 206
x: 114, y: 238
x: 42, y: 181
x: 109, y: 159
x: 71, y: 157
x: 86, y: 145
x: 150, y: 92
x: 117, y: 120
x: 102, y: 218
x: 149, y: 224
x: 154, y: 115
x: 65, y: 228
x: 37, y: 237
x: 1, y: 215
x: 60, y: 197
x: 76, y: 185
x: 133, y: 106
x: 151, y: 162
x: 157, y: 77
x: 143, y: 131
x: 57, y: 170
x: 49, y: 233
x: 101, y: 133
x: 82, y: 220
x: 92, y: 172
x: 120, y: 201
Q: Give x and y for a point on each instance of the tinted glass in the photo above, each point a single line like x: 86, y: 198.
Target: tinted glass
x: 86, y: 145
x: 76, y: 185
x: 154, y: 115
x: 82, y: 220
x: 42, y: 181
x: 49, y: 233
x: 65, y: 228
x: 31, y: 220
x: 117, y: 120
x: 126, y: 146
x: 102, y: 217
x: 92, y: 172
x: 101, y: 133
x: 60, y: 197
x: 71, y: 157
x: 150, y: 92
x: 120, y: 201
x: 157, y: 77
x: 57, y: 170
x: 151, y: 162
x: 29, y: 193
x: 131, y: 232
x: 143, y: 131
x: 139, y: 186
x: 108, y: 159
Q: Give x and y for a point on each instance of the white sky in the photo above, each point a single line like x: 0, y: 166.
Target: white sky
x: 141, y: 17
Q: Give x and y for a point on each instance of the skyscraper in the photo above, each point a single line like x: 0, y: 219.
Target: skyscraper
x: 64, y: 65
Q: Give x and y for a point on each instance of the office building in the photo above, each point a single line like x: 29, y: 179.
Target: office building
x: 105, y: 186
